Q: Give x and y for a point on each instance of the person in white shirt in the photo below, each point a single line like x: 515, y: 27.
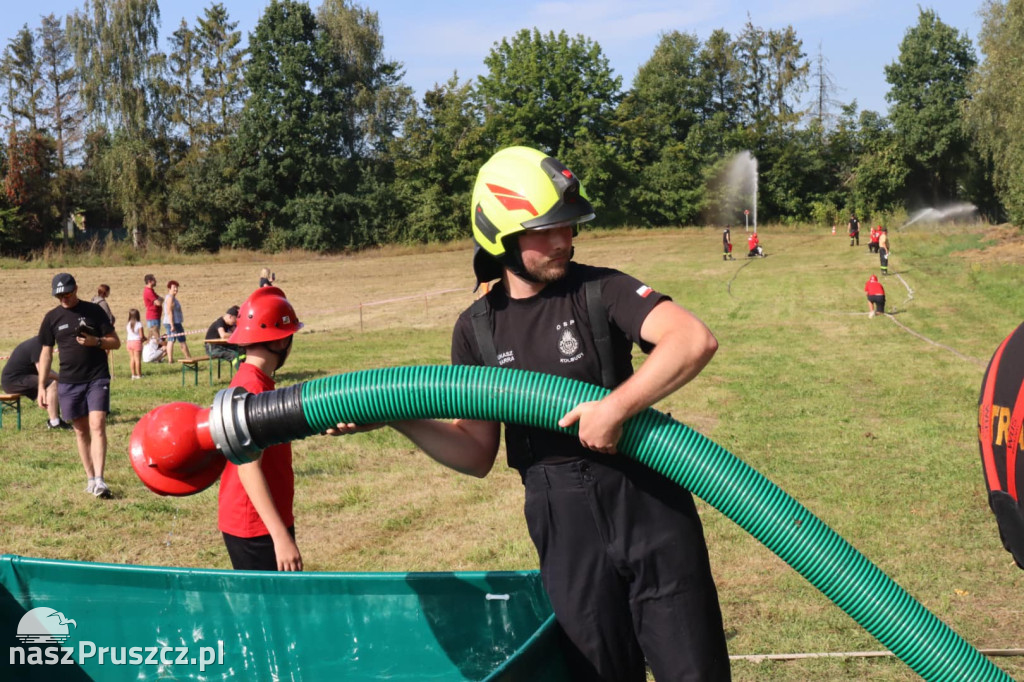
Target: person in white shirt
x: 134, y: 343
x: 153, y: 350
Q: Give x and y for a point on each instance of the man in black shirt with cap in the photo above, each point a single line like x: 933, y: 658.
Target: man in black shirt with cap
x: 220, y: 330
x: 83, y: 334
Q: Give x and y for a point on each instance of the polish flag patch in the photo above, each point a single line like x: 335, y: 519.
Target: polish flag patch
x: 644, y: 291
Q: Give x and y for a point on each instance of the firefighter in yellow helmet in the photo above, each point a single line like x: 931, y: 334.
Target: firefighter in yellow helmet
x: 517, y: 190
x: 620, y: 546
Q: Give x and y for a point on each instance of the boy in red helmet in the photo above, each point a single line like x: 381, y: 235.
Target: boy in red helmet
x: 876, y: 296
x: 255, y: 501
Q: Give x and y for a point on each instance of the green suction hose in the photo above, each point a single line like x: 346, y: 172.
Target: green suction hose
x: 782, y: 524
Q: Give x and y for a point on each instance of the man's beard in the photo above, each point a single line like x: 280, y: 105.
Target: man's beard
x: 549, y: 271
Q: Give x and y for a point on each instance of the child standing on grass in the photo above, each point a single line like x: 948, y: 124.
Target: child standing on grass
x: 255, y: 513
x: 134, y: 330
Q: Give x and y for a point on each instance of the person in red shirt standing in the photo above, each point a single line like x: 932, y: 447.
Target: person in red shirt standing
x: 255, y: 500
x: 876, y: 296
x: 152, y: 301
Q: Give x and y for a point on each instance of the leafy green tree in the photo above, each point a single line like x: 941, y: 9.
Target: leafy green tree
x: 751, y: 50
x: 786, y: 74
x: 773, y: 73
x: 654, y: 120
x: 114, y: 42
x: 27, y: 187
x: 792, y: 174
x: 132, y: 173
x: 720, y: 71
x: 186, y: 87
x: 21, y: 63
x: 881, y: 170
x: 207, y: 90
x: 436, y: 160
x: 123, y: 90
x: 548, y: 91
x: 380, y: 101
x: 222, y: 63
x: 293, y: 174
x: 928, y: 86
x: 995, y: 112
x: 61, y: 113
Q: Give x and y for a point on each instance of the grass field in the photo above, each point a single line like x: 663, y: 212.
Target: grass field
x: 870, y: 423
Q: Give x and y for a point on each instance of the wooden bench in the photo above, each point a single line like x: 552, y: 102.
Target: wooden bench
x: 10, y: 401
x: 213, y: 344
x: 229, y: 363
x: 192, y: 364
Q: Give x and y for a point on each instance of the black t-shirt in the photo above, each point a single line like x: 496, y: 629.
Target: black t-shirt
x: 854, y: 226
x: 551, y: 333
x: 24, y: 360
x: 214, y: 331
x: 78, y: 364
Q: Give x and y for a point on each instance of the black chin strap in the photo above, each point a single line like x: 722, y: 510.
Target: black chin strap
x: 513, y: 260
x: 282, y: 355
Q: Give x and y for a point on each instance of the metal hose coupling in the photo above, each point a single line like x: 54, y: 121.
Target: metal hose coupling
x: 243, y: 424
x: 229, y: 427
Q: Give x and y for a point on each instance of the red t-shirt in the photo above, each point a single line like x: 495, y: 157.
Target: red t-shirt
x: 236, y: 515
x: 148, y: 298
x: 874, y: 288
x: 752, y: 241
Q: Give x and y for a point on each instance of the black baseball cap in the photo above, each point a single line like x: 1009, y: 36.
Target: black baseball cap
x: 63, y: 283
x: 233, y: 310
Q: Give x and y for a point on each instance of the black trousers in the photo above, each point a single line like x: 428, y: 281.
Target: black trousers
x: 252, y: 554
x: 624, y: 562
x: 228, y: 352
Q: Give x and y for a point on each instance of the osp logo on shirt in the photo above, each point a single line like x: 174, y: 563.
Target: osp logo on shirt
x: 568, y: 343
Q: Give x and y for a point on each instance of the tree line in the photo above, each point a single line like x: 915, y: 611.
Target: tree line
x: 306, y: 136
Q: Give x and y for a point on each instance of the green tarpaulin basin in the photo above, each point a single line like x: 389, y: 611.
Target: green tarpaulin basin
x: 59, y: 618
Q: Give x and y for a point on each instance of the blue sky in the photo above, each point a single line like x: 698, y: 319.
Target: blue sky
x: 434, y: 38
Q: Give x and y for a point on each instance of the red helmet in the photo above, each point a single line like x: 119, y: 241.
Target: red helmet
x: 265, y: 316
